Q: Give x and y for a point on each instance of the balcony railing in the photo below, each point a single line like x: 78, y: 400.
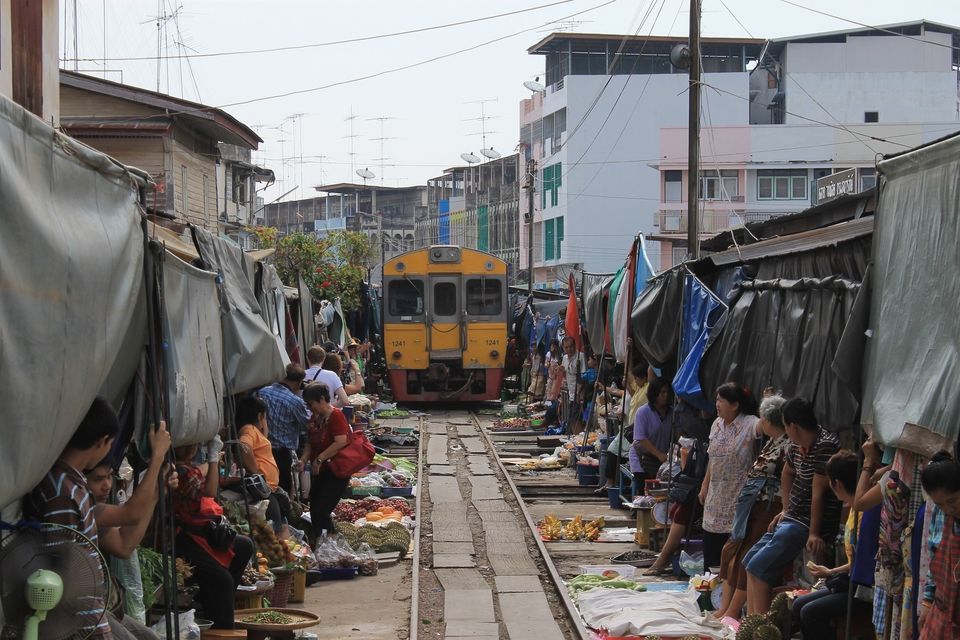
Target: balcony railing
x: 712, y: 221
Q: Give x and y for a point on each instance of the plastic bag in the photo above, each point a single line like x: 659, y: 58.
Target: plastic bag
x: 189, y: 630
x: 127, y: 573
x: 691, y: 565
x: 367, y: 564
x: 333, y: 552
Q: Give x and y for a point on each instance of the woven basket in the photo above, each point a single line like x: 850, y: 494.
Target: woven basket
x: 279, y: 595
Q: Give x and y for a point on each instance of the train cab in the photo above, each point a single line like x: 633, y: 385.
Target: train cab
x: 445, y: 324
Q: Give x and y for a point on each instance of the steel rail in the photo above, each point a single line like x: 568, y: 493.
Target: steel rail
x: 415, y: 579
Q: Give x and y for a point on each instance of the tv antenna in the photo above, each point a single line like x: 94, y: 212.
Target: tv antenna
x: 534, y: 85
x: 470, y: 158
x: 483, y: 118
x: 353, y: 137
x: 381, y: 140
x: 366, y: 174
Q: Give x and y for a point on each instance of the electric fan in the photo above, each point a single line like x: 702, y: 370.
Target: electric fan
x: 53, y: 583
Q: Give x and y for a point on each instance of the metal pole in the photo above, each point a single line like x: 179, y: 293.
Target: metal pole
x: 693, y: 131
x: 531, y: 186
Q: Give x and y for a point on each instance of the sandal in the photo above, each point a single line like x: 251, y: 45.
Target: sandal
x: 602, y: 491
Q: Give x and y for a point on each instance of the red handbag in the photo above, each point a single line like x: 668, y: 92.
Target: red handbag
x: 355, y: 456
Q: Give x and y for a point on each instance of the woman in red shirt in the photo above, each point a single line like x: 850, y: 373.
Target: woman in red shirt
x: 328, y: 435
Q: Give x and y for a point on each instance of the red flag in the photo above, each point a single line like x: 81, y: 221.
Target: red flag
x: 571, y: 323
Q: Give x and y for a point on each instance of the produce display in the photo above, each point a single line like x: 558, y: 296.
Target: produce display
x: 269, y: 617
x: 353, y: 510
x: 393, y: 537
x: 275, y: 551
x: 393, y: 413
x: 151, y: 574
x: 259, y: 573
x: 586, y: 582
x: 552, y: 528
x: 511, y: 424
x: 766, y: 626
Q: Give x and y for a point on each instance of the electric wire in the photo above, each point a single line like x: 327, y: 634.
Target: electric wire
x: 869, y: 26
x: 331, y: 43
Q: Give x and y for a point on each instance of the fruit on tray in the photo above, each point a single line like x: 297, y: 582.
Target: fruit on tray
x: 552, y: 528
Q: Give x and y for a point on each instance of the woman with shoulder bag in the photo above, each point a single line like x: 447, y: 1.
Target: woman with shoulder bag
x: 218, y: 555
x: 327, y: 437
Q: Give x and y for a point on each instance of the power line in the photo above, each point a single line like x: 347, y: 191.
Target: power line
x: 870, y: 26
x: 338, y: 42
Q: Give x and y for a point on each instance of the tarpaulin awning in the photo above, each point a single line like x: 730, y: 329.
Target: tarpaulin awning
x: 193, y: 353
x: 655, y: 320
x: 252, y: 356
x: 783, y: 334
x: 71, y: 290
x: 912, y: 388
x: 701, y: 311
x: 595, y: 288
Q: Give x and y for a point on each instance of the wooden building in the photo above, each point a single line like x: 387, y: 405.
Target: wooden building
x: 174, y: 140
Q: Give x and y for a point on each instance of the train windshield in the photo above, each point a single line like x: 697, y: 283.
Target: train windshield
x: 445, y: 299
x: 406, y: 297
x: 484, y: 297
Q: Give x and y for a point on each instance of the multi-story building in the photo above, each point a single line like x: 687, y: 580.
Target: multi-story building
x: 595, y: 128
x: 176, y: 141
x: 475, y: 206
x: 820, y: 104
x: 385, y: 214
x: 610, y: 139
x: 237, y: 200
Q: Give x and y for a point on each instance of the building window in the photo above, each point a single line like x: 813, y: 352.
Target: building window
x: 720, y: 184
x: 552, y: 179
x: 782, y: 184
x: 672, y: 185
x: 871, y: 116
x: 552, y: 238
x: 868, y: 178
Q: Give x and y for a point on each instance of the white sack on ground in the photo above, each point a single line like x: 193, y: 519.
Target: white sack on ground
x: 194, y: 351
x: 625, y: 612
x: 71, y: 281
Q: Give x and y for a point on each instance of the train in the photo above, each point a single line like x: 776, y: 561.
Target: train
x: 445, y: 324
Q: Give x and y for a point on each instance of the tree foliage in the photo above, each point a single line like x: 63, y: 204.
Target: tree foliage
x: 333, y: 266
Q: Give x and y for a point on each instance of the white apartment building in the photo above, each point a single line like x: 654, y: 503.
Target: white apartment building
x: 815, y: 104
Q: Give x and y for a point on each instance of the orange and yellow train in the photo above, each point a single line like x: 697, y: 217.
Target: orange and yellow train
x: 445, y: 324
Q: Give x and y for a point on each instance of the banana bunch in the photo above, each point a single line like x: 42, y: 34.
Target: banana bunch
x: 593, y: 528
x: 574, y: 530
x: 551, y: 528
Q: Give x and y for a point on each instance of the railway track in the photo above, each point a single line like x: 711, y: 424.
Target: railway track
x: 481, y: 567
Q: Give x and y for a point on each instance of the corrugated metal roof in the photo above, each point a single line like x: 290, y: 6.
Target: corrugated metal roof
x: 796, y: 243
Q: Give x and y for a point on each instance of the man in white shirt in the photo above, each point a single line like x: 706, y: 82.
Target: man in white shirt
x: 316, y: 373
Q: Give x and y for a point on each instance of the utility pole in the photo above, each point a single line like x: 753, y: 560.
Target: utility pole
x: 531, y: 185
x: 693, y: 134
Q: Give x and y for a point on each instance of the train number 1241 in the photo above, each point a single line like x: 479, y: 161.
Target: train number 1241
x: 399, y: 343
x: 493, y: 342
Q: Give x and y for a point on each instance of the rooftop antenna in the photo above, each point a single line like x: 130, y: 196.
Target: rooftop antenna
x: 353, y: 137
x: 534, y: 85
x: 381, y: 140
x: 470, y: 158
x: 483, y: 118
x: 366, y: 174
x: 490, y: 154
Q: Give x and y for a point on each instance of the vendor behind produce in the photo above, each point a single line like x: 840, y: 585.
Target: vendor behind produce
x: 218, y: 561
x: 327, y: 437
x: 256, y: 454
x: 287, y: 416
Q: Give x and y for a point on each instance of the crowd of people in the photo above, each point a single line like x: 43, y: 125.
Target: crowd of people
x: 770, y: 493
x: 286, y: 434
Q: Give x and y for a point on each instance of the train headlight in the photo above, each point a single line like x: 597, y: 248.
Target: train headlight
x: 397, y: 355
x: 494, y: 353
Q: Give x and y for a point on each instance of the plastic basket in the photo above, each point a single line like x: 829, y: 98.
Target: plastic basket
x: 366, y: 491
x: 397, y: 492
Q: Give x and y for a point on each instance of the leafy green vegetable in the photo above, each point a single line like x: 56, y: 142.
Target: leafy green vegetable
x: 151, y: 574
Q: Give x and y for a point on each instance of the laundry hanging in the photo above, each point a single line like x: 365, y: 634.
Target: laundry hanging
x: 701, y: 310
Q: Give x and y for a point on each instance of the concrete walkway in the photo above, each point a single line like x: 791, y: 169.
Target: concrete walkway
x: 491, y: 586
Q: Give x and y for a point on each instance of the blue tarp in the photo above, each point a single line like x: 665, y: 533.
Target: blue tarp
x: 701, y: 310
x: 644, y: 269
x: 443, y: 229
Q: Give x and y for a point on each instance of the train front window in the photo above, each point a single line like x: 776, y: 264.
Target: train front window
x: 484, y: 297
x: 445, y: 299
x: 406, y: 297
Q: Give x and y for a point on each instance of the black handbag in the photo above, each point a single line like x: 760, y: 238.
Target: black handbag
x: 219, y: 533
x: 683, y: 488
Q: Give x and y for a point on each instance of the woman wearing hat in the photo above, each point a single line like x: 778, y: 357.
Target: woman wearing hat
x: 353, y: 372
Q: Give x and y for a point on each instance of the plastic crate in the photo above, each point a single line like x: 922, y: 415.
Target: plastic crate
x: 397, y: 492
x: 366, y: 491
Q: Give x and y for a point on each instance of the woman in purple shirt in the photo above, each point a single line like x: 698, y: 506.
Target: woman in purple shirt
x: 651, y: 433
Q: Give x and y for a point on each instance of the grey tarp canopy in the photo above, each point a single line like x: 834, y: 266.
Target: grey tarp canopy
x: 253, y: 357
x: 193, y: 355
x: 655, y: 319
x: 912, y: 388
x: 273, y: 302
x: 71, y: 290
x: 595, y: 289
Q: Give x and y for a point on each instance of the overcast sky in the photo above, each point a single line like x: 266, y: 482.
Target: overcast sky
x: 431, y: 108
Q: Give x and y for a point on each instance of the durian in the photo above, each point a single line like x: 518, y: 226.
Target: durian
x: 767, y: 632
x: 748, y: 626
